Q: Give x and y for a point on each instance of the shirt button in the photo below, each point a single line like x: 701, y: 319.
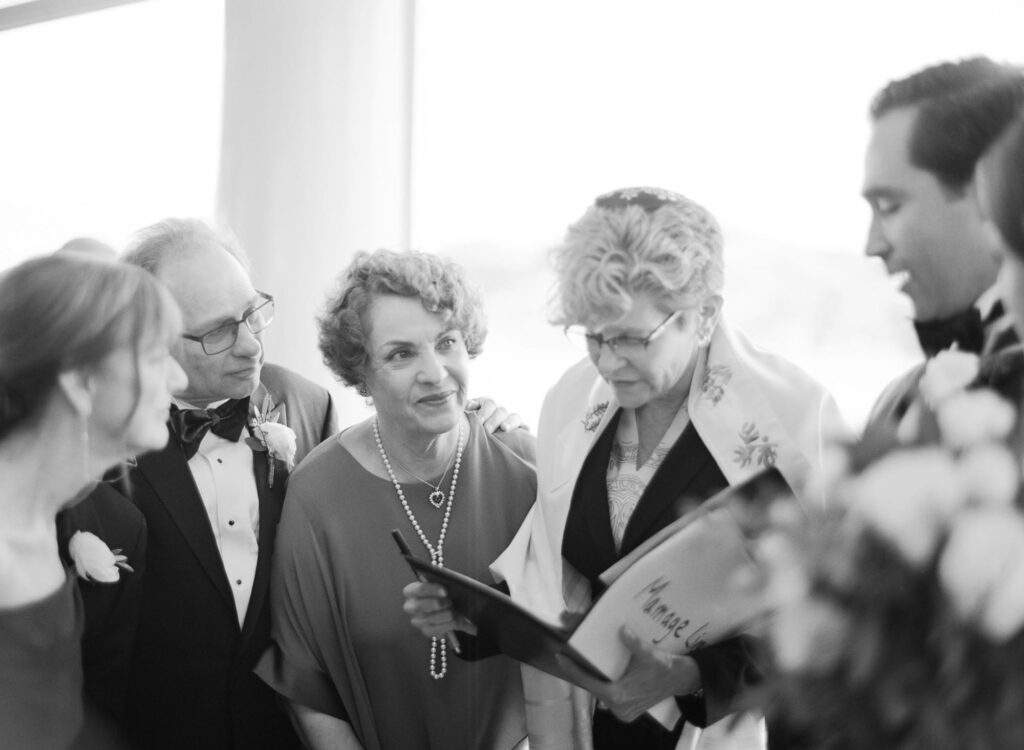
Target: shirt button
x: 231, y: 523
x: 220, y: 460
x: 239, y: 581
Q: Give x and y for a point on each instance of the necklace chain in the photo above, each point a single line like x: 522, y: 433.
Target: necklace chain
x: 438, y: 646
x: 436, y: 496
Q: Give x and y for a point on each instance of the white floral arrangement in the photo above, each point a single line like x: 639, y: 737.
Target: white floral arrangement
x: 269, y: 435
x: 900, y: 609
x: 94, y: 560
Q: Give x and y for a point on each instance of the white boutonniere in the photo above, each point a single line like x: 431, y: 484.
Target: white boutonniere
x: 94, y: 560
x: 270, y: 436
x: 946, y: 374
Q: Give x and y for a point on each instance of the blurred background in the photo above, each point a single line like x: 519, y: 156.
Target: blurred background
x: 479, y: 130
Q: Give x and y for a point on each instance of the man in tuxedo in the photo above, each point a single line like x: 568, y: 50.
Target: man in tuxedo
x: 212, y: 500
x: 928, y: 132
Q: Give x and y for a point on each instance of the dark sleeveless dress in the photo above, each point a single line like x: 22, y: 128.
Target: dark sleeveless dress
x: 41, y: 671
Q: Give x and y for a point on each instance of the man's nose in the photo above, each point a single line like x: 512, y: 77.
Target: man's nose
x: 247, y: 344
x: 877, y: 243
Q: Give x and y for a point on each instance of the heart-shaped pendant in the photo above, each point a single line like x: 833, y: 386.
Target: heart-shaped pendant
x: 436, y: 499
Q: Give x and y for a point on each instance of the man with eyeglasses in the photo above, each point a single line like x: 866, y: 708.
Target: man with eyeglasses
x: 212, y: 500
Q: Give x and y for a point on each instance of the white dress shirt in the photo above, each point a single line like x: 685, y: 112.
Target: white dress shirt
x: 223, y: 473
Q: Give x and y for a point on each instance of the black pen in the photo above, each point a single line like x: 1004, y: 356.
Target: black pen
x: 404, y: 549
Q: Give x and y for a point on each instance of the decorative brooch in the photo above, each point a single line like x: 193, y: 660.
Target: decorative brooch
x: 94, y: 560
x: 271, y: 437
x: 593, y: 417
x: 715, y: 379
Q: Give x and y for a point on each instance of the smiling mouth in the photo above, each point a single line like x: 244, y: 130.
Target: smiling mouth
x: 900, y: 279
x: 435, y: 399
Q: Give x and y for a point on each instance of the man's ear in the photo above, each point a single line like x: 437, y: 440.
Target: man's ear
x: 77, y: 388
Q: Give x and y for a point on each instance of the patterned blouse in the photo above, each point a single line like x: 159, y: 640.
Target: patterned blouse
x: 627, y: 481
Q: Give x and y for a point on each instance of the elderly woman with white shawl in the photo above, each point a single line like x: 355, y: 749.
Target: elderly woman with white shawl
x: 670, y: 403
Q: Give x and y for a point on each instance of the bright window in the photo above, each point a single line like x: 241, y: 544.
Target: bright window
x: 526, y: 111
x: 111, y: 121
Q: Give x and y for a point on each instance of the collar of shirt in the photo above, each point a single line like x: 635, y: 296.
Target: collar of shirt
x: 987, y: 301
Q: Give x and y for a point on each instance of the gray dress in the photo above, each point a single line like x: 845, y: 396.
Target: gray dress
x: 342, y: 644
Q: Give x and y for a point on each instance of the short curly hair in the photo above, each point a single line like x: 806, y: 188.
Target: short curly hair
x: 671, y: 249
x: 439, y: 284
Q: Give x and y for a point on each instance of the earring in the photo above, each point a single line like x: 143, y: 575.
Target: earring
x: 704, y: 334
x: 361, y: 390
x: 86, y: 470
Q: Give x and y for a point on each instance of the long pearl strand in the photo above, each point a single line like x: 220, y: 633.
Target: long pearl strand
x: 437, y: 645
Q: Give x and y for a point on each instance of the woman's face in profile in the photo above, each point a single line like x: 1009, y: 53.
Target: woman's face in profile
x: 132, y: 398
x: 664, y: 368
x: 418, y: 369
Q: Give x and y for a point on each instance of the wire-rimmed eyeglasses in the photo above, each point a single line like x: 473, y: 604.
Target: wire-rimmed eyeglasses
x: 224, y: 336
x: 621, y: 345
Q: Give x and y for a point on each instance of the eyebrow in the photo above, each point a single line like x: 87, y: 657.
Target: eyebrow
x: 402, y: 342
x: 872, y: 193
x: 225, y: 319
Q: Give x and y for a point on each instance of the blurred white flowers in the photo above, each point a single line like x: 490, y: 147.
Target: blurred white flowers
x: 982, y: 569
x: 94, y: 560
x: 809, y: 635
x: 973, y: 417
x: 906, y: 497
x: 900, y: 606
x: 947, y: 373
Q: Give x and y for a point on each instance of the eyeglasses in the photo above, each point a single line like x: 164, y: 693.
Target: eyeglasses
x: 223, y: 337
x: 622, y: 345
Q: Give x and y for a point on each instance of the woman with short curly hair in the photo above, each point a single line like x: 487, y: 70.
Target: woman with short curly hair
x: 401, y: 329
x: 668, y: 407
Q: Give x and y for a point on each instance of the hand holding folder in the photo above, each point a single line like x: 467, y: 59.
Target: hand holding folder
x: 674, y: 592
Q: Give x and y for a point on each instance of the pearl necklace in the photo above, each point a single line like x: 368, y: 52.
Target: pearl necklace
x: 437, y: 645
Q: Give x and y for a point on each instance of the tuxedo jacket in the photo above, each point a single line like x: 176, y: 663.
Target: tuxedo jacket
x: 191, y: 683
x: 895, y: 401
x: 111, y: 609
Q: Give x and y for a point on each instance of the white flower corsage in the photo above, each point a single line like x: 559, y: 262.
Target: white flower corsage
x: 94, y: 560
x: 272, y: 437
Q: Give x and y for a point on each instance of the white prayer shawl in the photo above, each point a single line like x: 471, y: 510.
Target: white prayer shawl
x: 752, y: 409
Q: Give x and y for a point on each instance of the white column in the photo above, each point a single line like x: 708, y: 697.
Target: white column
x: 316, y: 151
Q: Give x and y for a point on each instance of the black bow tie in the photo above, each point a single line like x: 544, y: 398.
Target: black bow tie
x: 963, y: 329
x: 191, y: 425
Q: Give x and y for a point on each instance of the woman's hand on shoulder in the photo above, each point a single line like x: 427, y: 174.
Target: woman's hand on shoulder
x: 495, y: 418
x: 430, y: 611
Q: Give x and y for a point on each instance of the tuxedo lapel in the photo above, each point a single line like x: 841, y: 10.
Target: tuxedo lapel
x: 169, y: 477
x: 674, y: 479
x: 271, y: 500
